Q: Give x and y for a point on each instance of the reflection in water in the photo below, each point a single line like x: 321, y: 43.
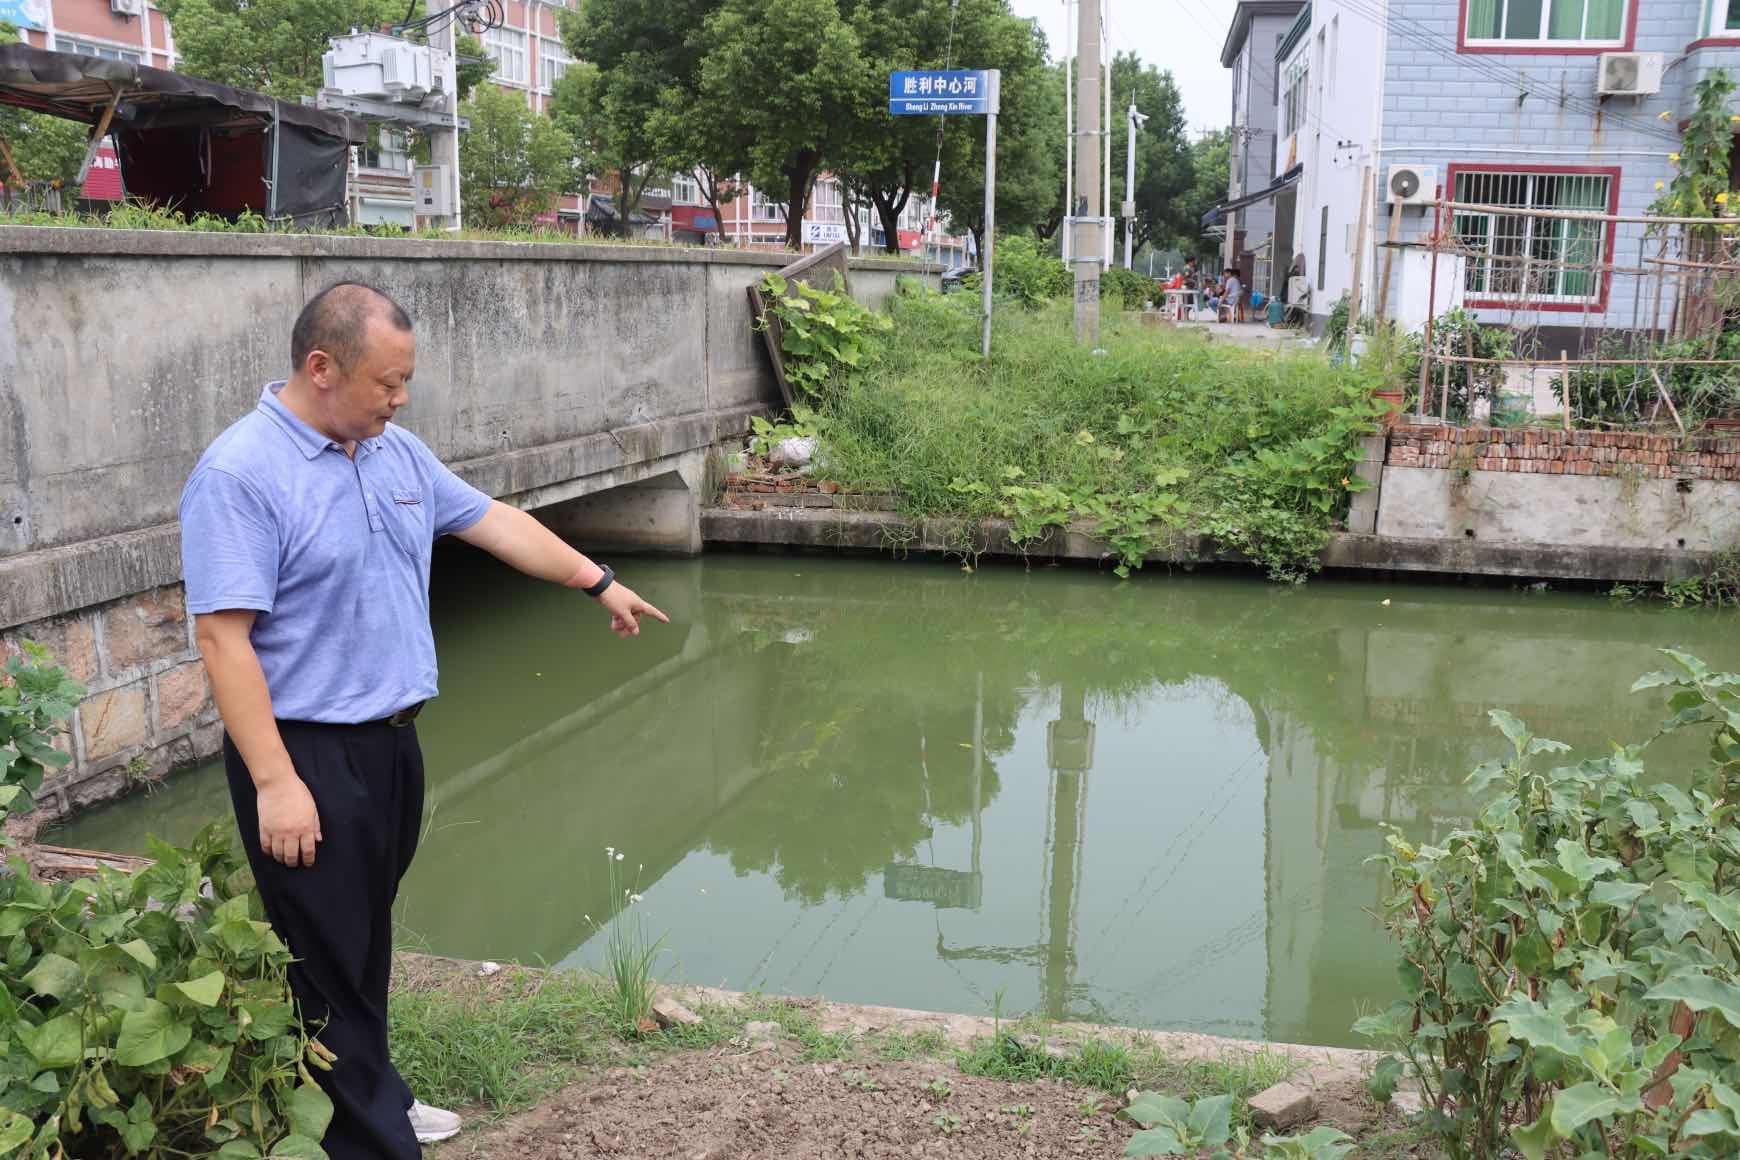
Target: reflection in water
x: 1145, y: 803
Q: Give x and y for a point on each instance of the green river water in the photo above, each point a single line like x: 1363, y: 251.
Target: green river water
x: 1144, y: 803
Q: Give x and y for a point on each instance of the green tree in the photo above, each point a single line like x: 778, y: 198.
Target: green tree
x: 1164, y: 170
x: 635, y: 50
x: 886, y: 159
x: 1029, y: 174
x: 1209, y: 174
x: 513, y: 163
x: 473, y: 65
x: 791, y: 76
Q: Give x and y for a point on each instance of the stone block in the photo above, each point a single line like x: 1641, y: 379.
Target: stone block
x: 208, y: 740
x: 114, y: 721
x: 670, y: 1013
x: 102, y: 787
x: 149, y: 627
x: 70, y: 640
x: 1283, y: 1106
x: 182, y: 694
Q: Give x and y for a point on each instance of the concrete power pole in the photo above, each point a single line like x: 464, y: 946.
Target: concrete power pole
x: 444, y: 143
x: 1087, y: 225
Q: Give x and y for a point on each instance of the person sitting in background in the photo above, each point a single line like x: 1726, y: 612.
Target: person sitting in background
x: 1227, y: 292
x: 1192, y: 278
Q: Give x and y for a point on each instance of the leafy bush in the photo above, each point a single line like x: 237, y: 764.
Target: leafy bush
x: 1025, y: 274
x: 821, y: 332
x: 1458, y: 333
x: 144, y: 1015
x: 1172, y: 1127
x: 1625, y: 394
x: 1126, y: 288
x: 1571, y: 959
x: 766, y: 434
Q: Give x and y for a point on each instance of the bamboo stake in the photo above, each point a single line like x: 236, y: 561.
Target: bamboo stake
x: 1358, y: 255
x: 1570, y: 399
x: 1668, y: 399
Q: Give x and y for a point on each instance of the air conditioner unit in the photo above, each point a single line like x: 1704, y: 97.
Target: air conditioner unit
x: 127, y: 7
x: 1412, y: 184
x: 1628, y: 74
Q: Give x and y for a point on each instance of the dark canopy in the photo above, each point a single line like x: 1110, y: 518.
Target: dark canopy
x: 191, y: 144
x: 1219, y: 212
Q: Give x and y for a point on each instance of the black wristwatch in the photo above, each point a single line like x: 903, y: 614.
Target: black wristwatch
x: 604, y: 582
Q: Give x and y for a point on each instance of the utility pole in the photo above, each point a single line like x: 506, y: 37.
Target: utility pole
x: 444, y: 142
x: 1068, y: 134
x: 1087, y: 215
x: 1133, y: 121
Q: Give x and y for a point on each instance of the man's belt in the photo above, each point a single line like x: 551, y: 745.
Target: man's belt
x: 400, y: 719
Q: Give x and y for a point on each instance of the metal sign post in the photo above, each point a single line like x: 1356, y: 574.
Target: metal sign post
x: 960, y: 93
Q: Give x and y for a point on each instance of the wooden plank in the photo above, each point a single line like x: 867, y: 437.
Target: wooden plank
x: 815, y: 270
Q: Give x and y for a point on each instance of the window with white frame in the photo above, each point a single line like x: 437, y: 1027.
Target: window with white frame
x: 1297, y: 79
x: 685, y: 190
x: 507, y: 47
x: 1518, y: 257
x: 97, y: 48
x: 766, y: 210
x: 827, y: 206
x: 553, y: 61
x: 389, y: 150
x: 1546, y: 22
x: 1724, y: 18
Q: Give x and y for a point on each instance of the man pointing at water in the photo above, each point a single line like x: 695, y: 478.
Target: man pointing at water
x: 306, y: 532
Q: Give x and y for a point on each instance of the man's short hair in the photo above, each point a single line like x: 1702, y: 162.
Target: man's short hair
x: 336, y: 320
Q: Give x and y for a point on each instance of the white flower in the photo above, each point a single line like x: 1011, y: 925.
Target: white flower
x: 609, y: 850
x: 634, y: 898
x: 619, y: 857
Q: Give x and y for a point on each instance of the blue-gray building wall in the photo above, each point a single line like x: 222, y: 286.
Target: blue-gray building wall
x: 1539, y: 110
x: 1252, y: 170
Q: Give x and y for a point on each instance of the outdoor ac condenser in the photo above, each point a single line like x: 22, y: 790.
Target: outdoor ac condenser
x: 1628, y: 74
x: 1412, y: 184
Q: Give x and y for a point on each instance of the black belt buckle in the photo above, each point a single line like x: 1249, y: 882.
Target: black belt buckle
x: 405, y: 716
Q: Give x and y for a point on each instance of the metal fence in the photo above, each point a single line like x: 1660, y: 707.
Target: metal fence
x: 1599, y: 318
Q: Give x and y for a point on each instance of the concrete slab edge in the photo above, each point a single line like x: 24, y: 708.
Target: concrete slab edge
x: 891, y: 532
x: 56, y: 580
x: 74, y: 241
x: 1320, y: 1063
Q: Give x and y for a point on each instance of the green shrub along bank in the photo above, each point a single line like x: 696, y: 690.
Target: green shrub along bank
x: 1571, y: 960
x: 147, y: 1014
x: 1161, y: 437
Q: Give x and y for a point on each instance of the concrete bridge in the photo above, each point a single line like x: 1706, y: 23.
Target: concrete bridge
x: 586, y: 381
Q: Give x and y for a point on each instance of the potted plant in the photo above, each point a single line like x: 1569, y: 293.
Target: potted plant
x: 1392, y: 355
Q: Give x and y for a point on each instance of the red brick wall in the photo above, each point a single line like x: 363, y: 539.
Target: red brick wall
x: 1553, y: 452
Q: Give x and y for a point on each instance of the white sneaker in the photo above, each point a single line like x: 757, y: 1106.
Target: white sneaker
x: 432, y: 1125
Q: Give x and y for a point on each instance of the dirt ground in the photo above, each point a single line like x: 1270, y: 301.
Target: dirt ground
x: 734, y: 1103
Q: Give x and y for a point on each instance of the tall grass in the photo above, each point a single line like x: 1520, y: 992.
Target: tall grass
x: 630, y: 950
x: 1163, y: 434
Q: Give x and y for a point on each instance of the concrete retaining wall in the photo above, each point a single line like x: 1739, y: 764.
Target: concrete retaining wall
x: 546, y: 372
x: 122, y: 354
x: 1616, y: 490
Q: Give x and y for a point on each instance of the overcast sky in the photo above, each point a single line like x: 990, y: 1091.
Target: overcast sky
x: 1183, y: 36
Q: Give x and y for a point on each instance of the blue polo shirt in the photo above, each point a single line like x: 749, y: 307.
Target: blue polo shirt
x: 332, y: 552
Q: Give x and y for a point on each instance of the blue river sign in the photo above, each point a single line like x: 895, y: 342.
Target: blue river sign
x: 938, y: 92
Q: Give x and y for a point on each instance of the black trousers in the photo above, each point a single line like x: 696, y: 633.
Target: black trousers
x: 336, y: 916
